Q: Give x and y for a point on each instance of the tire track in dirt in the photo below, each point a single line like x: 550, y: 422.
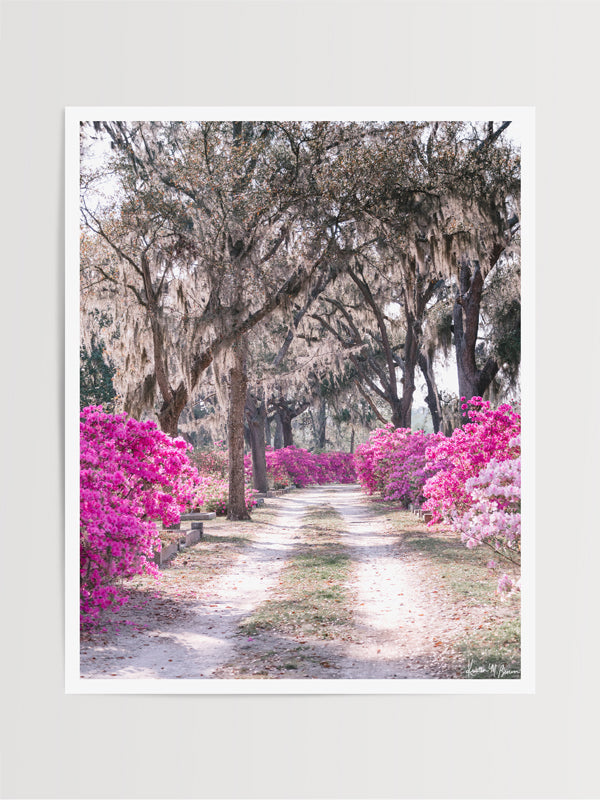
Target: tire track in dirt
x: 392, y: 623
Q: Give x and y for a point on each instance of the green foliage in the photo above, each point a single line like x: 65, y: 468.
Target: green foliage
x: 501, y: 309
x: 96, y: 378
x: 507, y: 328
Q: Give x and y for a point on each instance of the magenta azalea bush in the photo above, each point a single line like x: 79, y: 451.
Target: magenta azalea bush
x: 335, y: 467
x: 131, y: 474
x: 470, y: 480
x: 298, y: 463
x: 393, y: 463
x: 299, y: 467
x: 490, y: 434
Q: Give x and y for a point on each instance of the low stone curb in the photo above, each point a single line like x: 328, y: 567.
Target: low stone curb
x: 187, y: 539
x: 426, y: 516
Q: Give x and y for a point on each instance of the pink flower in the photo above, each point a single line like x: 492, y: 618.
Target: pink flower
x: 130, y: 475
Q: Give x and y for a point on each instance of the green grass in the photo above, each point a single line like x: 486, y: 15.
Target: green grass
x: 312, y: 599
x: 493, y: 653
x: 208, y: 538
x: 464, y: 571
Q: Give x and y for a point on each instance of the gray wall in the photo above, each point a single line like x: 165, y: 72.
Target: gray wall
x: 298, y: 53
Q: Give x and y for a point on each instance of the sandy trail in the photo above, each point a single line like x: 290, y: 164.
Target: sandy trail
x: 205, y: 639
x: 393, y: 615
x: 394, y: 619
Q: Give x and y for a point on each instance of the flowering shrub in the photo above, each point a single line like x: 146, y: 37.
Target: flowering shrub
x: 295, y: 465
x: 212, y: 494
x: 299, y: 464
x: 494, y: 517
x: 393, y: 463
x: 490, y: 434
x: 212, y: 462
x: 478, y: 486
x: 277, y: 474
x: 335, y: 468
x: 471, y: 480
x: 130, y: 475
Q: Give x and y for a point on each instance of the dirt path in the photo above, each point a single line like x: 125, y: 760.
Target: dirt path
x: 395, y: 620
x: 193, y: 640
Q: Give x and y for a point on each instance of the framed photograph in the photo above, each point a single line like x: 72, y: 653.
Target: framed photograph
x: 299, y: 400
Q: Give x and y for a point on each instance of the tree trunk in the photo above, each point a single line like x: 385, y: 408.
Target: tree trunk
x: 286, y: 424
x: 411, y: 358
x: 236, y: 506
x: 321, y: 438
x: 256, y: 416
x: 168, y: 416
x: 174, y: 400
x: 285, y: 411
x: 397, y: 419
x: 472, y: 382
x: 352, y: 441
x: 267, y: 431
x: 278, y: 437
x: 433, y: 398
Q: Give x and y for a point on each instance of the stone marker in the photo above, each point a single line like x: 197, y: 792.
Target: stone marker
x: 165, y: 553
x: 193, y: 537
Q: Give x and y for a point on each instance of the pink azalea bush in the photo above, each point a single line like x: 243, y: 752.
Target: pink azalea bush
x: 393, y: 463
x: 212, y: 462
x: 477, y: 483
x: 299, y: 467
x: 299, y: 464
x: 212, y: 493
x: 494, y: 516
x: 490, y: 434
x: 471, y: 480
x: 277, y: 475
x: 288, y: 466
x: 131, y: 474
x: 335, y: 467
x: 212, y: 487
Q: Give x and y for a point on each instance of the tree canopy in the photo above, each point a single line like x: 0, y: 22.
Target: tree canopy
x: 271, y: 264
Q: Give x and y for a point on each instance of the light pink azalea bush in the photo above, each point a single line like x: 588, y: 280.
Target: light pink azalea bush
x: 130, y: 475
x: 494, y: 516
x: 477, y: 482
x: 212, y: 494
x: 212, y: 488
x: 393, y: 463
